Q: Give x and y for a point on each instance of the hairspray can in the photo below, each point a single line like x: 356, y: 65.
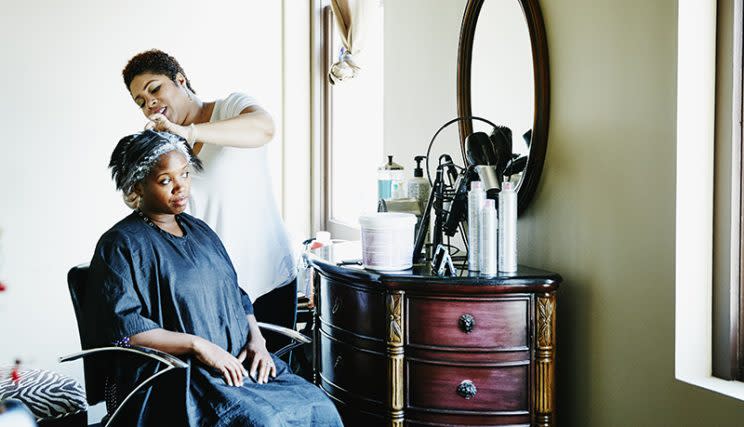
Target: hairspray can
x: 489, y: 239
x: 476, y: 196
x: 507, y: 228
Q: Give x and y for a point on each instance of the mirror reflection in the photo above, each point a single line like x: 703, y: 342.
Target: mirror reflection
x: 502, y: 78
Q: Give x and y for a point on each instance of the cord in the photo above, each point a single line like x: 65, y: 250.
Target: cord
x: 456, y: 119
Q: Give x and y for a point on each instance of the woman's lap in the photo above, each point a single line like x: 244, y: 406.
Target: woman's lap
x: 287, y: 400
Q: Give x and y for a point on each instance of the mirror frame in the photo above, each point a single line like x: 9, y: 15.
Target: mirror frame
x: 533, y: 17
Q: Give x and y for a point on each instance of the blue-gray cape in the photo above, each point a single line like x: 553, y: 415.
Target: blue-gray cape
x: 142, y: 278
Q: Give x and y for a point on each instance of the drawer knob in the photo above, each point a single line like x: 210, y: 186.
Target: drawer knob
x: 467, y: 389
x: 467, y: 323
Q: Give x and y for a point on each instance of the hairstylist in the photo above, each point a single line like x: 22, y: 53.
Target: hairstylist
x: 233, y: 193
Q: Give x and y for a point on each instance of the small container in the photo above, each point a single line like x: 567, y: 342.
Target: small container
x: 390, y: 179
x: 323, y: 243
x: 489, y: 262
x: 387, y: 241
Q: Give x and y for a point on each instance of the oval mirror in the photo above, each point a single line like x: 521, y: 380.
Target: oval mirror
x: 502, y: 76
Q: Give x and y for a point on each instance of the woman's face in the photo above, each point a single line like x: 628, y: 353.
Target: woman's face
x: 166, y: 189
x: 157, y: 93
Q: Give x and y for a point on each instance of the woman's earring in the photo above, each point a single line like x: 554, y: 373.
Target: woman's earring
x: 188, y: 93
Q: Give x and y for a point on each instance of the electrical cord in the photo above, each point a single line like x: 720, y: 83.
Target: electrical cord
x: 444, y: 126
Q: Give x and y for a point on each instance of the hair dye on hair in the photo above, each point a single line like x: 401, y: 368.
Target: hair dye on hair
x: 135, y: 155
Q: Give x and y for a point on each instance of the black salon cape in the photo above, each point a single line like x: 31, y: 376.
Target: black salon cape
x: 142, y: 278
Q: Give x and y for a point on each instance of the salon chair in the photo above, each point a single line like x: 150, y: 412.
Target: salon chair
x: 94, y: 381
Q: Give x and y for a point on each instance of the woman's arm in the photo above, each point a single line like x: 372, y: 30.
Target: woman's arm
x: 175, y: 343
x: 205, y: 351
x: 254, y: 127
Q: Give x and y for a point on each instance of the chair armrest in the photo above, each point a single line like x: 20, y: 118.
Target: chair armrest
x: 291, y: 333
x: 169, y: 360
x: 160, y: 356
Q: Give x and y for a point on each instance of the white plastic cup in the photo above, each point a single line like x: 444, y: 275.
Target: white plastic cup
x: 387, y: 240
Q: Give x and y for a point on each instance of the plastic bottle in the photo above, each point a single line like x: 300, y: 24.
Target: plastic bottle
x: 322, y: 242
x: 476, y: 197
x: 390, y: 180
x: 507, y: 228
x: 489, y: 262
x: 418, y: 187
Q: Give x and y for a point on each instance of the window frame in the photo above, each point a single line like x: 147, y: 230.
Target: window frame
x: 728, y: 269
x: 322, y: 176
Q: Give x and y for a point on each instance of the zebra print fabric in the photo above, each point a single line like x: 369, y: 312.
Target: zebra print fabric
x: 47, y: 394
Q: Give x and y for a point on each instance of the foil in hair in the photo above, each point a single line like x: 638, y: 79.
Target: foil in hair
x: 135, y: 155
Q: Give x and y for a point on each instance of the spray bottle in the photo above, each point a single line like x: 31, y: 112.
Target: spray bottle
x: 489, y: 261
x: 476, y: 197
x: 508, y: 228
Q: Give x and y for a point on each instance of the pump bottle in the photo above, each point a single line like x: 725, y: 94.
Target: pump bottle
x: 418, y: 187
x: 390, y: 180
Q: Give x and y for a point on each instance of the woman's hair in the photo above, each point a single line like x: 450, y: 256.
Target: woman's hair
x: 156, y: 62
x: 135, y: 156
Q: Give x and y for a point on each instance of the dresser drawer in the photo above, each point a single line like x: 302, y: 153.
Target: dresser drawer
x: 468, y: 388
x: 494, y: 324
x: 352, y: 309
x: 352, y: 371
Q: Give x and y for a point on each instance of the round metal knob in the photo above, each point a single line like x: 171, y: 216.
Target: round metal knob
x: 467, y: 389
x: 467, y: 323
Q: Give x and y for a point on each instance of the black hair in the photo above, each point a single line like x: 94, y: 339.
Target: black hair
x: 156, y: 62
x: 135, y: 155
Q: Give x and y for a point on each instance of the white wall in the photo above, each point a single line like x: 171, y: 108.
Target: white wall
x: 420, y: 78
x: 63, y: 108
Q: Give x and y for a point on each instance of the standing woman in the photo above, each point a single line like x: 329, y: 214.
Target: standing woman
x: 233, y: 193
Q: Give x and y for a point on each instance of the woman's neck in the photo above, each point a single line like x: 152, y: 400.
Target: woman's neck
x: 200, y: 112
x: 166, y: 222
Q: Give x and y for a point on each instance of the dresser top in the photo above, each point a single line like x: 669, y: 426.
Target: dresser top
x: 343, y: 260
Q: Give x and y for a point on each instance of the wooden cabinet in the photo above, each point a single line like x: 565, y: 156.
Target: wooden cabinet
x: 414, y: 349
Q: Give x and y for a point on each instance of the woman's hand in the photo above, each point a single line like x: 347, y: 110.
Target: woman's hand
x: 161, y: 123
x: 262, y: 364
x: 217, y: 358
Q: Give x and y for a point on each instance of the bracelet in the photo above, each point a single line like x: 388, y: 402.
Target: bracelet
x: 192, y: 135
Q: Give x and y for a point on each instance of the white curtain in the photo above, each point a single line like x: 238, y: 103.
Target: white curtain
x: 350, y: 17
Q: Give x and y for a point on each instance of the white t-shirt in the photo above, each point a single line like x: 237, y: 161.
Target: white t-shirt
x: 233, y: 195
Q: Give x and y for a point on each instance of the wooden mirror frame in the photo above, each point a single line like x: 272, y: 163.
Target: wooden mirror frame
x: 540, y: 65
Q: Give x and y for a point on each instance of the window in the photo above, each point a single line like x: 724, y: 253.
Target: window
x: 351, y: 139
x: 699, y: 321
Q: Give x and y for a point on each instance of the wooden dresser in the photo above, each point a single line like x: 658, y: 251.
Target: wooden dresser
x: 410, y: 348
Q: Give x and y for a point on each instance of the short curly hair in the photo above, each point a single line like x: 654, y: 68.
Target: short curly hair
x: 153, y: 61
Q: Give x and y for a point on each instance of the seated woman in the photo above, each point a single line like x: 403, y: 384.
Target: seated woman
x: 161, y: 278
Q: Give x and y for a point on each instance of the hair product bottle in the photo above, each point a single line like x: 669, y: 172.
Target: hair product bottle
x: 488, y: 262
x: 508, y: 228
x: 476, y: 196
x: 390, y: 180
x: 418, y: 187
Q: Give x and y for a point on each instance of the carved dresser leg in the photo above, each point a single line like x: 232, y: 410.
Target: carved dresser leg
x: 545, y: 363
x: 395, y: 339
